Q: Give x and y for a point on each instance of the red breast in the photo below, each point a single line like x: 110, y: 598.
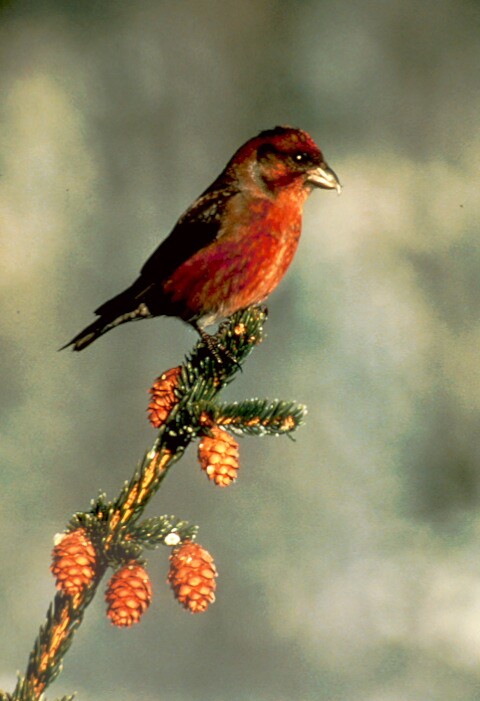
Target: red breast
x: 245, y: 263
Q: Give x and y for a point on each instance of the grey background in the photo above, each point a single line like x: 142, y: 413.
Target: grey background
x: 349, y: 560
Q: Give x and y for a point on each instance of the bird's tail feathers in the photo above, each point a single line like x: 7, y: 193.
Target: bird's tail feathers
x: 127, y: 306
x: 89, y: 334
x: 102, y: 325
x: 128, y: 299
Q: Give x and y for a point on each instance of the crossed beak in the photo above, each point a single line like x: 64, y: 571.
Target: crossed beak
x: 324, y: 177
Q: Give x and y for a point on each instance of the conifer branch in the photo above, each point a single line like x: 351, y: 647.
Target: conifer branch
x: 111, y: 534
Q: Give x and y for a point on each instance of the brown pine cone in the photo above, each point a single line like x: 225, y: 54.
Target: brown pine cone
x: 163, y: 396
x: 192, y: 576
x: 128, y: 595
x: 219, y: 456
x: 73, y: 562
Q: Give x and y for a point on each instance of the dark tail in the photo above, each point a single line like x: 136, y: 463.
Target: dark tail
x: 90, y: 334
x: 124, y: 307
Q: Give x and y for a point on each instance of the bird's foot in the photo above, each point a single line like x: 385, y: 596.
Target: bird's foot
x: 217, y: 350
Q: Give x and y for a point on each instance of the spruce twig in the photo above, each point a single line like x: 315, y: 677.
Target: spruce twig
x: 112, y: 532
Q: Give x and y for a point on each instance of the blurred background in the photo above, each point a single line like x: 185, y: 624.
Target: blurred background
x: 350, y: 559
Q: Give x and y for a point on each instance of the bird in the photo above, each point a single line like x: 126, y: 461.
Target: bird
x: 233, y: 245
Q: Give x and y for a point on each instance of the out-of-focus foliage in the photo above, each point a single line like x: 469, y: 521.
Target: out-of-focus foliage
x: 348, y: 560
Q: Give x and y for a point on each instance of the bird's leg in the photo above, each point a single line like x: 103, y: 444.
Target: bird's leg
x: 208, y: 341
x: 215, y: 348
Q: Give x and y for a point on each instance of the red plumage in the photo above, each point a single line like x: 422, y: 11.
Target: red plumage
x: 232, y: 247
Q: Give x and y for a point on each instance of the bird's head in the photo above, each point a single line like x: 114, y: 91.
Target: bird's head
x: 284, y: 157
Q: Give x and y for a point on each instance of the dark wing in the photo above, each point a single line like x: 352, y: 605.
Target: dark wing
x: 199, y: 226
x: 196, y: 228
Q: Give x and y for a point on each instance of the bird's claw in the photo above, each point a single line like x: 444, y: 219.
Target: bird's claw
x: 220, y: 353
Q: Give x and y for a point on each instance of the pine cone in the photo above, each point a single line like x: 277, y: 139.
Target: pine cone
x: 219, y: 456
x: 73, y: 562
x: 163, y: 396
x: 128, y: 595
x: 192, y: 576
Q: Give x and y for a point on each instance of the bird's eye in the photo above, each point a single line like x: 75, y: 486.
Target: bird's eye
x: 301, y: 157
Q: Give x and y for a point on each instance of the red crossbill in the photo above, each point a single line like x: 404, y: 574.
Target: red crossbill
x: 233, y: 245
